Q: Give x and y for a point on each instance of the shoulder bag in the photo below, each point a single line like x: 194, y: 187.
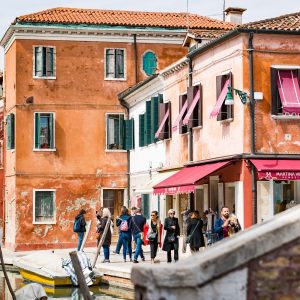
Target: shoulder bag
x: 188, y: 239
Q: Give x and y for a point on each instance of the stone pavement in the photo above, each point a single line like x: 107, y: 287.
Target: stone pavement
x: 116, y: 268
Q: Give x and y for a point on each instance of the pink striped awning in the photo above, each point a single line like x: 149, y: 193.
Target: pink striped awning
x: 220, y: 100
x: 162, y: 124
x: 289, y: 91
x: 192, y: 107
x: 178, y: 119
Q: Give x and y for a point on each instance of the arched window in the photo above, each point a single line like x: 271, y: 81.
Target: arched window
x: 149, y: 63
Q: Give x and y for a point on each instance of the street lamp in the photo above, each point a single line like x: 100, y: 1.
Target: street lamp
x: 229, y: 97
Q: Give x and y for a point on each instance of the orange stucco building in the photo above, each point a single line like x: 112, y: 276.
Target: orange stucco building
x: 65, y: 128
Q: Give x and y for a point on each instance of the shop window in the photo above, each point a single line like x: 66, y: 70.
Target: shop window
x: 285, y: 195
x: 115, y: 64
x: 226, y: 111
x: 149, y: 63
x: 44, y: 136
x: 44, y: 206
x: 44, y: 62
x: 10, y: 132
x: 284, y: 91
x: 146, y: 205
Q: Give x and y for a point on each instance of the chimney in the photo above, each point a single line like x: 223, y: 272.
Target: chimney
x: 234, y: 15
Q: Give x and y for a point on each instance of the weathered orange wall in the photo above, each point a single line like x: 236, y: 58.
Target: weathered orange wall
x: 269, y: 135
x: 80, y: 166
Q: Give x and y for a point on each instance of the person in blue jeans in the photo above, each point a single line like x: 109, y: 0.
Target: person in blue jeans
x: 124, y: 224
x: 80, y: 218
x: 137, y: 227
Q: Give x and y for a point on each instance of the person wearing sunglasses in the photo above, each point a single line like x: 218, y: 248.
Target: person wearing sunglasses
x: 152, y: 234
x: 171, y: 241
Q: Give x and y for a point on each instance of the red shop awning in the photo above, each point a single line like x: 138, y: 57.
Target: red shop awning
x: 184, y: 180
x: 277, y: 169
x: 289, y: 91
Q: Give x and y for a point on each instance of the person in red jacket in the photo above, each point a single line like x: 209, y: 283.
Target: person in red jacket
x: 152, y: 234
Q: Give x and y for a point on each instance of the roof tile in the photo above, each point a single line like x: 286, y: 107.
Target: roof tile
x: 124, y: 18
x: 290, y: 22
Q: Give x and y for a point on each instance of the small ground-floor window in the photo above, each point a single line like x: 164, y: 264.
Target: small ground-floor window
x: 44, y: 206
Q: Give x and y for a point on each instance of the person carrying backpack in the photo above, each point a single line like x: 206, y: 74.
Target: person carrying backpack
x: 124, y: 224
x: 79, y: 227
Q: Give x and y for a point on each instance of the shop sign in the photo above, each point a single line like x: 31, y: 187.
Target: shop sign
x: 280, y: 175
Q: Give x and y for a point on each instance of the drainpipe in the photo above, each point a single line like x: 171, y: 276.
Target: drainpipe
x: 124, y: 104
x: 252, y: 128
x: 135, y: 59
x: 191, y: 196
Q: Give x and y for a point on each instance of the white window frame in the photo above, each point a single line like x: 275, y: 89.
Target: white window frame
x: 54, y: 62
x: 33, y: 206
x: 125, y: 65
x: 54, y: 121
x: 106, y: 115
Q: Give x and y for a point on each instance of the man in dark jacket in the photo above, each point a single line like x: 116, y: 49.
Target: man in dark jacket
x: 81, y: 230
x: 137, y: 228
x: 171, y: 241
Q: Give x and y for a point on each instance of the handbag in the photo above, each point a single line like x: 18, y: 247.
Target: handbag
x: 171, y: 238
x: 151, y: 236
x: 188, y: 238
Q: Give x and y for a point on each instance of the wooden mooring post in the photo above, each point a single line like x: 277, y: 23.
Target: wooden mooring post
x: 80, y: 277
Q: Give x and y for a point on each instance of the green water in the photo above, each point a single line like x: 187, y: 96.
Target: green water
x: 99, y: 292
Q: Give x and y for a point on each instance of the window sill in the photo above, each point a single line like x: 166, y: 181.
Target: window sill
x: 45, y: 77
x: 226, y: 121
x: 11, y: 150
x: 199, y: 127
x: 115, y: 79
x: 285, y: 117
x: 117, y: 150
x: 44, y: 150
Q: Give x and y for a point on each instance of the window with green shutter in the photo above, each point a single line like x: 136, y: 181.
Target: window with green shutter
x: 149, y: 63
x: 115, y: 63
x: 129, y: 134
x: 44, y: 131
x: 148, y: 123
x: 44, y: 61
x: 142, y: 130
x: 154, y: 117
x: 10, y: 132
x: 115, y: 131
x: 44, y: 206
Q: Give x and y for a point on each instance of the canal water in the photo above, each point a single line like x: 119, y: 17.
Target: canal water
x: 100, y: 292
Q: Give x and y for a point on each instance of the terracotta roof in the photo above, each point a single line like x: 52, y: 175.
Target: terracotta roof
x: 207, y: 34
x: 290, y: 22
x: 124, y: 18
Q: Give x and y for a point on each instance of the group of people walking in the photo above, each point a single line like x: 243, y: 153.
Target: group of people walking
x: 135, y: 231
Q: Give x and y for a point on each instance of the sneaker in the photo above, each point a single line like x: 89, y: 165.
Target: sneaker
x: 143, y: 258
x: 106, y: 261
x: 135, y: 261
x: 130, y: 259
x: 124, y: 260
x: 114, y: 252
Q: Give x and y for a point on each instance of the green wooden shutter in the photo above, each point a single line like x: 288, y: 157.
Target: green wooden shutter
x: 37, y: 131
x: 51, y: 130
x: 8, y: 132
x: 141, y: 130
x: 119, y: 56
x: 12, y: 121
x: 129, y: 134
x: 149, y: 63
x: 49, y: 61
x: 148, y: 123
x: 154, y: 117
x: 121, y: 131
x: 110, y: 63
x: 38, y: 61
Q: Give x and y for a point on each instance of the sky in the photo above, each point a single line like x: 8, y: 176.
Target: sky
x: 256, y: 9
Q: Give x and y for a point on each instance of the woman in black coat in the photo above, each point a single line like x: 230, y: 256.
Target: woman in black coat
x: 107, y: 240
x: 194, y: 232
x: 171, y: 241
